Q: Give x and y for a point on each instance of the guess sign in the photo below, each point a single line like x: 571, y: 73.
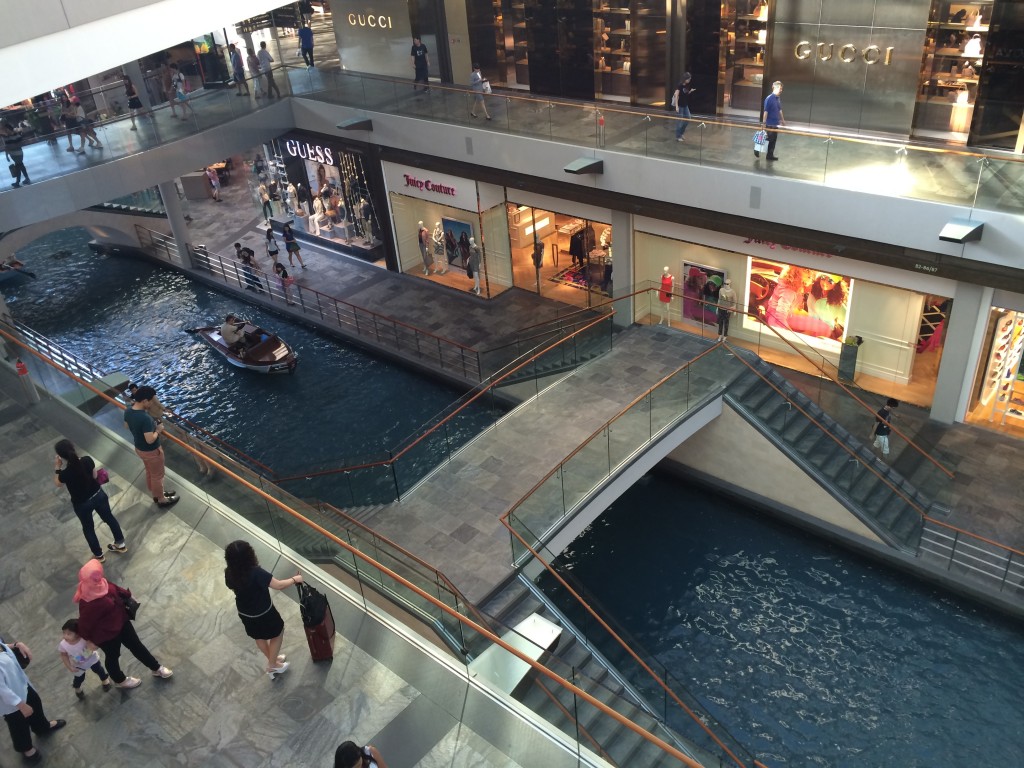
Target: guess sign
x: 314, y: 152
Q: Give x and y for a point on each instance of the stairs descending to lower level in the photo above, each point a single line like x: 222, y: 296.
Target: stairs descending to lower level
x: 886, y: 506
x: 574, y: 661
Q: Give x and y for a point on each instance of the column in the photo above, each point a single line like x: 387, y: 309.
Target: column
x: 965, y: 336
x: 175, y: 217
x: 622, y: 267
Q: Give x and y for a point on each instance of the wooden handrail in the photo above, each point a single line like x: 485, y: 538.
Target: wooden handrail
x: 425, y: 435
x: 836, y: 381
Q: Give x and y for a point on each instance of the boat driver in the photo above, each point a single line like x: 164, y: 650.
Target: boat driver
x: 232, y: 333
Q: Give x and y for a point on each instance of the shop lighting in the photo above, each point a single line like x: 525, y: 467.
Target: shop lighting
x: 585, y: 165
x: 356, y: 124
x: 961, y: 231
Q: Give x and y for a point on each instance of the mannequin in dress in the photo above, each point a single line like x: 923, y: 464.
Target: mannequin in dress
x: 473, y: 264
x: 665, y: 295
x: 292, y: 200
x: 423, y: 241
x: 437, y: 236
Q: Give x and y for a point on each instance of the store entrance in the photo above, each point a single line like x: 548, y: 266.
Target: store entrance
x: 560, y: 256
x: 997, y: 401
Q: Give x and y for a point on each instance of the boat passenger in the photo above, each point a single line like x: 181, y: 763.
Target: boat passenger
x: 231, y: 332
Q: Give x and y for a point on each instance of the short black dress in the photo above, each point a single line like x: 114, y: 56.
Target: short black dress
x: 256, y: 609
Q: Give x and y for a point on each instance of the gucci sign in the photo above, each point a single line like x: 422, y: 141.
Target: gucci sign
x: 369, y: 20
x: 848, y: 53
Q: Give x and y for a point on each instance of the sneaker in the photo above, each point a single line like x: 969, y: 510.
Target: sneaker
x: 119, y: 548
x: 81, y: 150
x: 99, y: 558
x: 680, y: 139
x: 167, y: 503
x: 133, y: 128
x: 71, y: 149
x: 170, y: 494
x: 130, y: 682
x: 107, y: 685
x: 79, y: 693
x: 281, y: 659
x: 16, y: 184
x: 163, y: 672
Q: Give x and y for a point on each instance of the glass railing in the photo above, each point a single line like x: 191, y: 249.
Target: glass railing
x: 880, y: 166
x: 845, y: 403
x: 381, y: 570
x: 665, y: 405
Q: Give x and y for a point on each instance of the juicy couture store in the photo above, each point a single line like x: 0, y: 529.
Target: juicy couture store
x: 879, y: 327
x: 449, y: 229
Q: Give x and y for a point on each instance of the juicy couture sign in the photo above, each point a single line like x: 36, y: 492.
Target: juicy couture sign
x: 316, y: 153
x: 426, y: 185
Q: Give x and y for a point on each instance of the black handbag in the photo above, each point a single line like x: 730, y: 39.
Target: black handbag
x: 131, y: 605
x: 312, y: 605
x: 14, y: 170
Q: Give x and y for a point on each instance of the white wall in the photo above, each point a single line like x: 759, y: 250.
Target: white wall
x: 45, y: 44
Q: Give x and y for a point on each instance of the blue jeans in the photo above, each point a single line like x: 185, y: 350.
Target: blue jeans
x: 100, y: 504
x: 681, y: 125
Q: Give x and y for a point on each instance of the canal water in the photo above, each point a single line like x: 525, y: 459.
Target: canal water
x: 811, y: 655
x: 341, y: 405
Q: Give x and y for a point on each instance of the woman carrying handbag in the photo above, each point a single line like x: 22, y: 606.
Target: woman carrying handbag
x: 104, y: 622
x: 82, y: 479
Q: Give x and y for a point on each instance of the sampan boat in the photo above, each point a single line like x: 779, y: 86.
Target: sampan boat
x: 263, y: 352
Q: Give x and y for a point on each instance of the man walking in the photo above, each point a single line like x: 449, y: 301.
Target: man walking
x: 681, y: 102
x: 238, y: 70
x: 772, y: 118
x: 883, y: 425
x: 420, y: 63
x: 146, y: 435
x: 266, y: 60
x: 306, y: 44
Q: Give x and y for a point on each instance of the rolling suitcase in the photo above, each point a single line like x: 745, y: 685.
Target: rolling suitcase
x: 318, y: 622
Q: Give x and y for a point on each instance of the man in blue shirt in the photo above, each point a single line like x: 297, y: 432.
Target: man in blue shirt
x: 306, y: 44
x: 772, y: 118
x: 146, y: 435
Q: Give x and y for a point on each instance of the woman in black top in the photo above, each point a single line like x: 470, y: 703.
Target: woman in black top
x: 87, y: 496
x: 251, y: 585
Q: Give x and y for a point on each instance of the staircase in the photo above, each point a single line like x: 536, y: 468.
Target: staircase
x: 588, y: 670
x: 886, y: 510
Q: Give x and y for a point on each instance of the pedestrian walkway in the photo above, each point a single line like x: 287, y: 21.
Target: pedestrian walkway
x: 219, y: 708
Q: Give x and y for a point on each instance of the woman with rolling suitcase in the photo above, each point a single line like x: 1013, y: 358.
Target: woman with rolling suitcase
x: 251, y: 585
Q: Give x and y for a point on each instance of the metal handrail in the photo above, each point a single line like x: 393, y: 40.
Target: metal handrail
x: 834, y: 380
x: 847, y: 449
x: 465, y: 621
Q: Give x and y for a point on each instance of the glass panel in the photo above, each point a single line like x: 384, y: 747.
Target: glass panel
x: 629, y: 431
x: 586, y: 469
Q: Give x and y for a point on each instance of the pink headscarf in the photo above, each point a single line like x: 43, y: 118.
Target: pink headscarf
x: 91, y: 584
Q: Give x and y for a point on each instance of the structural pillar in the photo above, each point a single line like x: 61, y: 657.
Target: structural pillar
x: 965, y: 333
x: 175, y: 217
x: 622, y: 267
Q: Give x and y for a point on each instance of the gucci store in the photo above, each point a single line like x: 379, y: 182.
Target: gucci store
x: 935, y: 69
x: 796, y: 297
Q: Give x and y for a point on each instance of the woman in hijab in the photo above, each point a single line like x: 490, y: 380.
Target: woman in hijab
x: 251, y: 585
x: 103, y: 622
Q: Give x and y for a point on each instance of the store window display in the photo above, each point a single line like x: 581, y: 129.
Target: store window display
x: 437, y: 238
x: 800, y: 300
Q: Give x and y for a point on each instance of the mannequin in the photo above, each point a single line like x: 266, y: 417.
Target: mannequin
x: 473, y: 265
x: 423, y: 238
x: 726, y: 306
x: 438, y: 238
x: 665, y: 294
x: 292, y: 200
x: 364, y: 219
x: 316, y: 216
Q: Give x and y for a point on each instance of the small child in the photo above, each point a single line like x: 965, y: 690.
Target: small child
x: 78, y: 660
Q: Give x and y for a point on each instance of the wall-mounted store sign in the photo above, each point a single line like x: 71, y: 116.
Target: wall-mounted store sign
x: 430, y: 186
x: 377, y: 20
x: 316, y: 153
x: 848, y: 53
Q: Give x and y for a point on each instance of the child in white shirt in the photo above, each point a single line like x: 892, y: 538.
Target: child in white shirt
x: 78, y: 659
